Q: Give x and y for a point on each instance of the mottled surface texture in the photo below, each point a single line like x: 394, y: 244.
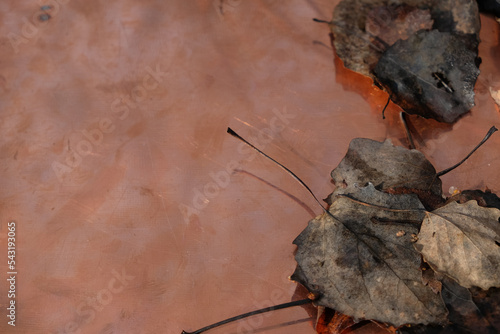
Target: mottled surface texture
x: 125, y: 205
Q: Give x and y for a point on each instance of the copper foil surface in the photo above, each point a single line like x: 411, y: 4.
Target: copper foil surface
x: 135, y: 212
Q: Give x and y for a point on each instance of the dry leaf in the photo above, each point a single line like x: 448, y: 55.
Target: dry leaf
x: 431, y: 74
x: 483, y: 198
x: 357, y: 264
x: 489, y: 6
x: 386, y: 166
x: 476, y: 312
x: 424, y: 53
x: 354, y: 34
x: 431, y: 279
x: 332, y: 322
x: 387, y: 24
x: 463, y: 241
x: 463, y: 310
x: 495, y: 94
x: 488, y: 302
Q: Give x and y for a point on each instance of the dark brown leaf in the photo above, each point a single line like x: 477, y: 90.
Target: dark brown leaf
x: 483, y: 198
x: 464, y: 312
x: 431, y: 74
x: 353, y: 25
x: 490, y: 6
x: 431, y: 279
x: 332, y: 322
x: 386, y: 166
x: 387, y: 24
x: 354, y: 32
x: 476, y: 312
x: 488, y: 302
x: 359, y: 264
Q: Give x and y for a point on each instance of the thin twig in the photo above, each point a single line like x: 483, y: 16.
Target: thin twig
x: 234, y: 134
x: 385, y: 107
x: 249, y: 314
x: 488, y: 135
x: 402, y: 114
x: 322, y: 21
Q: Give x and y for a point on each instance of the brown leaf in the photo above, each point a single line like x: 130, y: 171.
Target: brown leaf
x: 483, y: 198
x: 424, y: 53
x: 332, y: 322
x: 469, y: 313
x: 429, y: 278
x: 488, y: 303
x: 495, y: 94
x: 353, y: 23
x: 463, y: 241
x: 476, y: 312
x: 430, y: 200
x: 386, y: 166
x: 489, y: 6
x: 431, y: 74
x: 357, y: 264
x: 387, y: 24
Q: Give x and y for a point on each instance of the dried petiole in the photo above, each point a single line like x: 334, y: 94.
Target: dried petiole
x: 403, y: 116
x: 488, y: 135
x: 322, y: 21
x: 276, y: 307
x: 234, y: 134
x: 249, y: 314
x: 385, y: 107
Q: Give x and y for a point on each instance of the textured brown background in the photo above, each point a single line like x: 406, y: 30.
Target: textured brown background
x: 141, y: 199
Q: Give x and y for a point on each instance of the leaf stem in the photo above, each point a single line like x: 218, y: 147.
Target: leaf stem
x: 403, y: 116
x: 249, y: 314
x: 322, y: 21
x: 234, y: 134
x: 385, y: 107
x: 488, y: 135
